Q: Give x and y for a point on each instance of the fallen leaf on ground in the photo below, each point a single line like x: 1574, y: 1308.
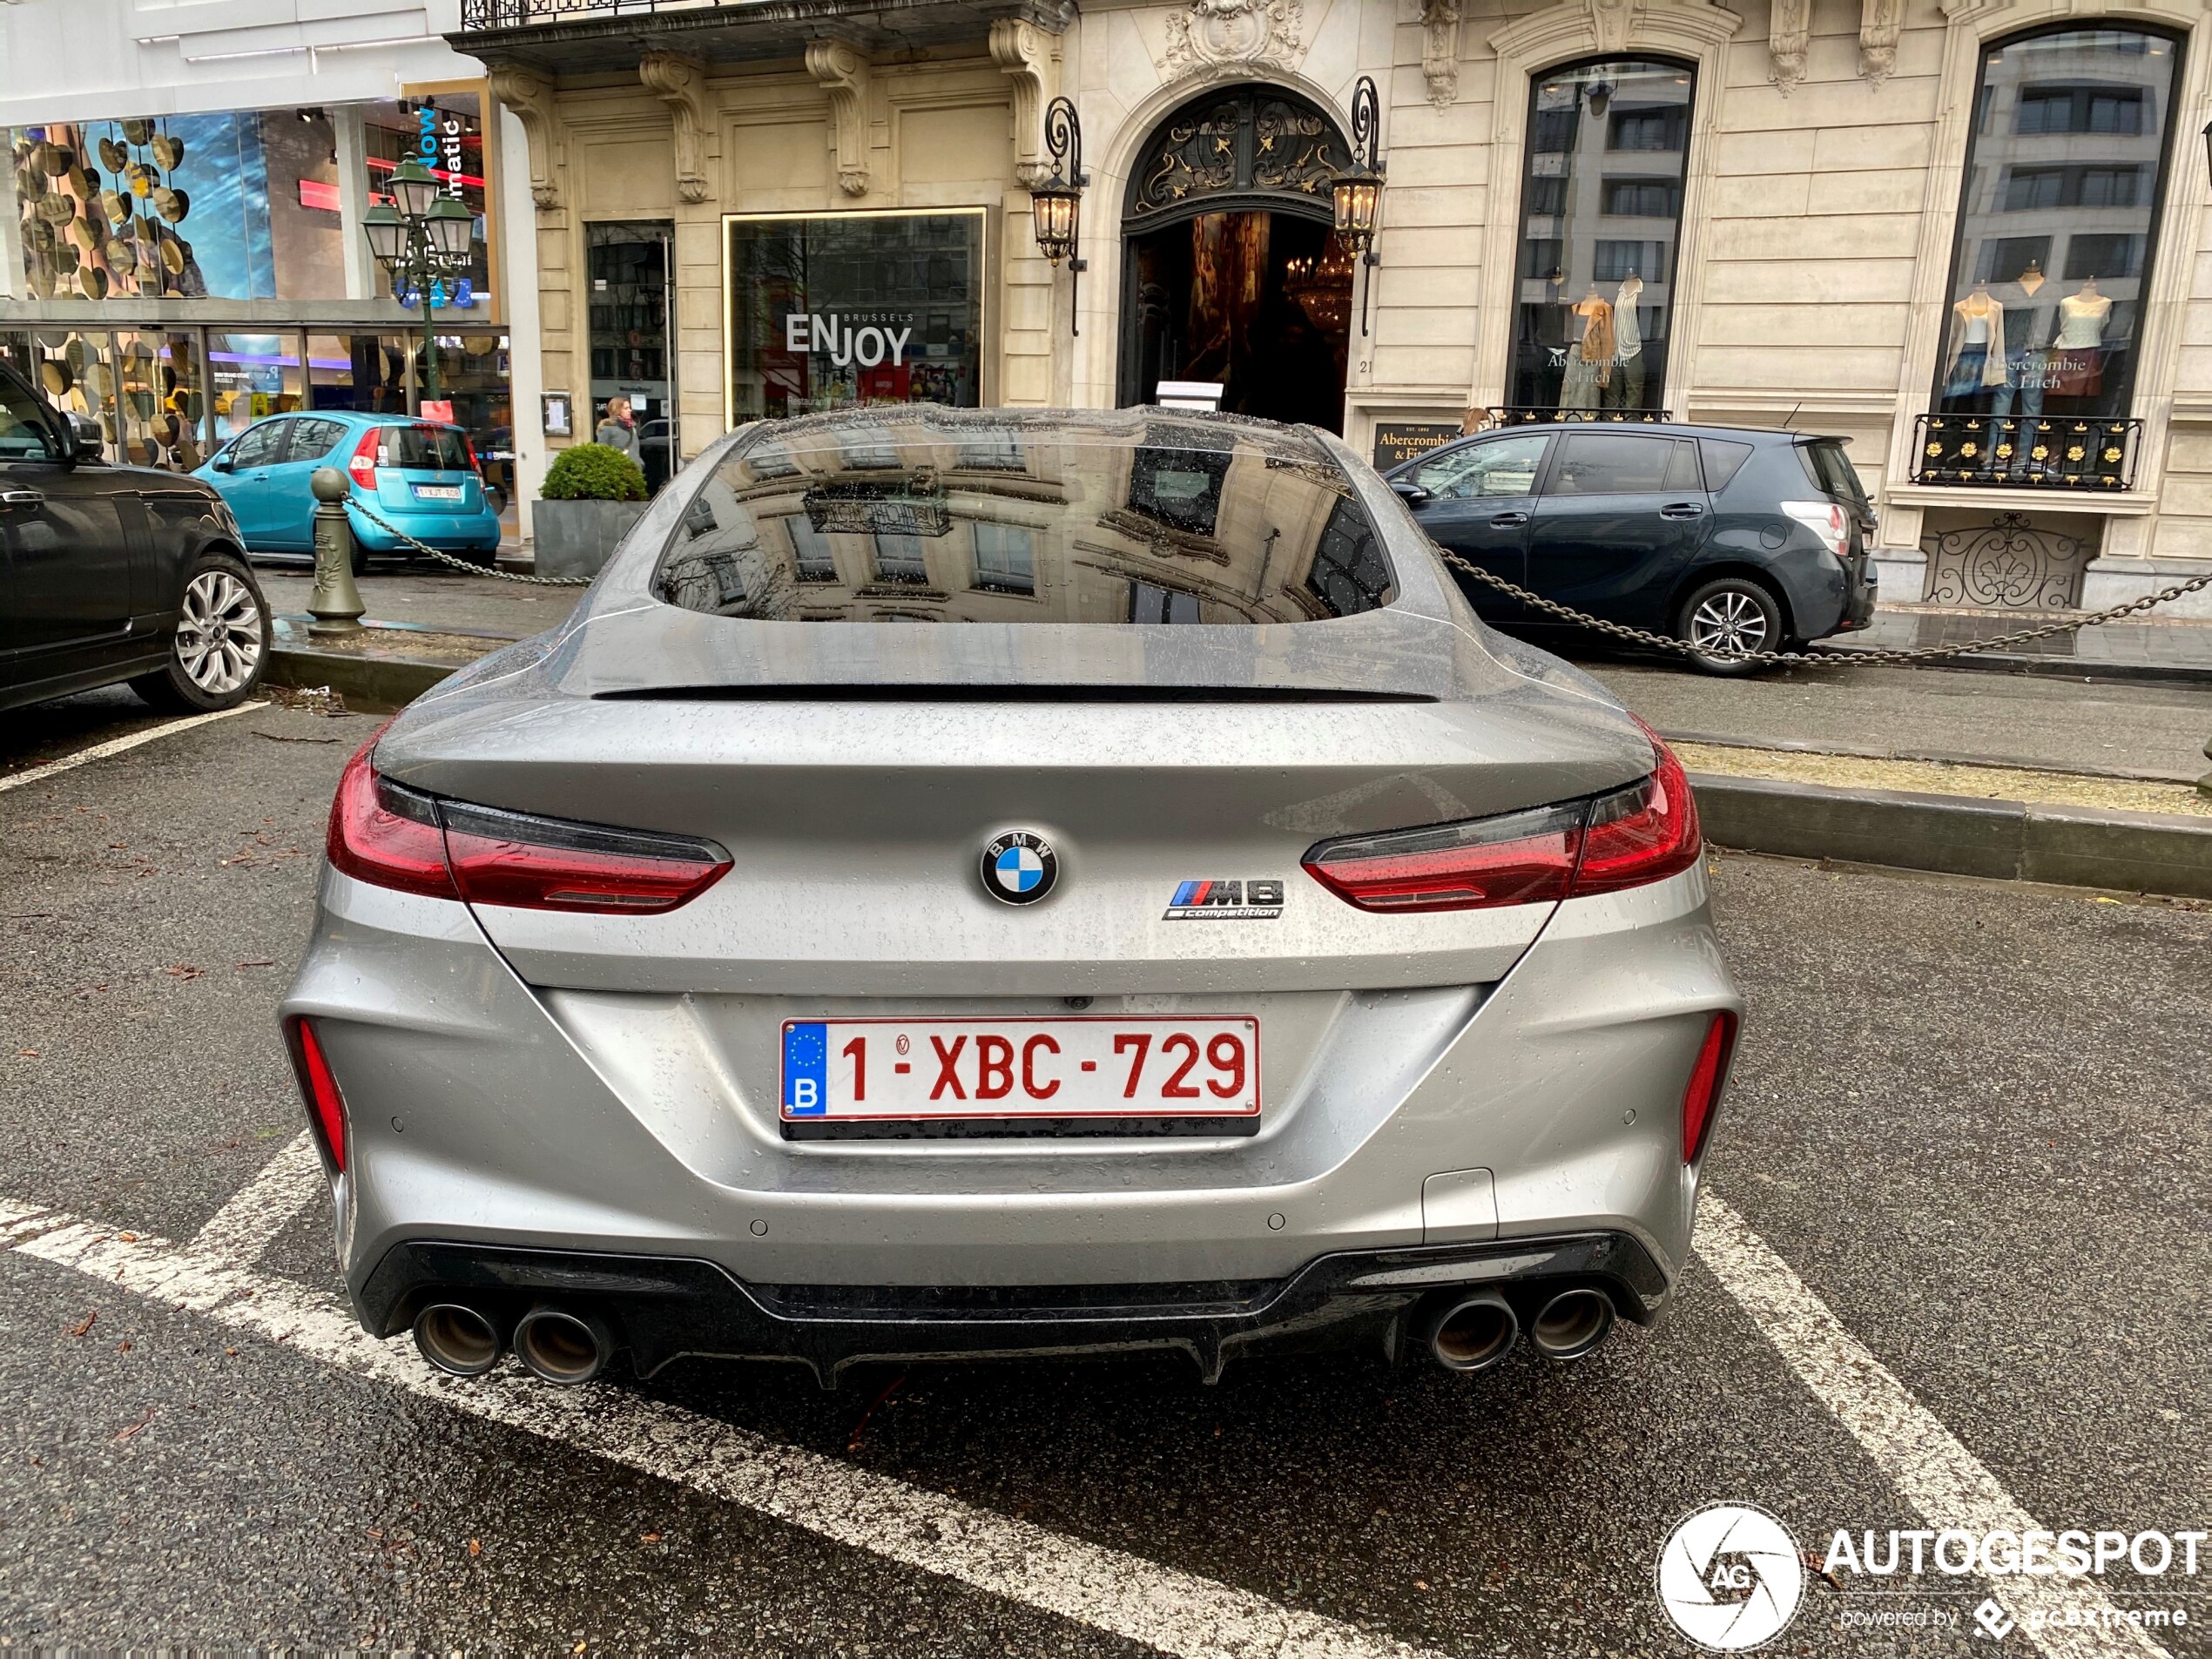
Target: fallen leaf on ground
x: 79, y: 1329
x: 475, y: 1547
x: 125, y: 1434
x: 184, y: 970
x: 260, y: 962
x: 123, y: 1347
x: 649, y: 1538
x: 26, y: 1053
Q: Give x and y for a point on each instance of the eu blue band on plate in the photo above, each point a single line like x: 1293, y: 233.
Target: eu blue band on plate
x: 805, y: 1069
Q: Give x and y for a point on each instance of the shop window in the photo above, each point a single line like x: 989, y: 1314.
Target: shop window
x: 830, y: 310
x: 1600, y: 210
x: 2057, y: 222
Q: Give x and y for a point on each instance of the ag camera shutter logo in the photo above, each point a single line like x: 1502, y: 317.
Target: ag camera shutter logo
x: 1731, y: 1577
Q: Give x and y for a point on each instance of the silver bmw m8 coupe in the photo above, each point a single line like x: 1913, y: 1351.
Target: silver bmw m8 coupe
x: 1013, y: 882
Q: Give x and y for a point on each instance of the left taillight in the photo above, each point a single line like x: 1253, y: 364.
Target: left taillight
x: 366, y: 454
x: 1626, y: 838
x: 324, y: 1101
x: 391, y: 836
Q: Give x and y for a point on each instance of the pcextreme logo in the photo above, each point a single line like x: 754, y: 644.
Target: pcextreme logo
x: 1731, y: 1577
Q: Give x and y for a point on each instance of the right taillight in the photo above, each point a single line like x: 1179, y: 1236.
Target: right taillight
x: 1644, y: 833
x: 1704, y: 1089
x: 390, y: 836
x: 363, y: 465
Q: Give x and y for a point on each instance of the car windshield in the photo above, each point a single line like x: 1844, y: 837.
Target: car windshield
x: 428, y: 448
x: 927, y: 515
x: 24, y: 435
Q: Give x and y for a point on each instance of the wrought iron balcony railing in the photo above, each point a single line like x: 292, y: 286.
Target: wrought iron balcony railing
x: 480, y: 15
x: 1535, y: 414
x: 2084, y: 454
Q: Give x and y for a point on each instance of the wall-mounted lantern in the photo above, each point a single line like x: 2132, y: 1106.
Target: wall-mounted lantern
x: 1357, y: 190
x: 1057, y: 203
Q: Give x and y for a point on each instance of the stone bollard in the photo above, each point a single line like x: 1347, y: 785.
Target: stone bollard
x: 336, y: 605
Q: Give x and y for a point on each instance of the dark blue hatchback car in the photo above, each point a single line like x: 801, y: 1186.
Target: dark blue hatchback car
x: 1728, y: 538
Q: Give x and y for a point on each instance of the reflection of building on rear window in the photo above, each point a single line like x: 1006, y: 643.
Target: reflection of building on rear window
x: 1149, y: 603
x: 899, y: 558
x: 1102, y: 518
x: 1004, y: 559
x: 811, y: 549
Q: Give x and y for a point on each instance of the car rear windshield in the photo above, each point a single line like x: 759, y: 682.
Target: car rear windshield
x: 426, y: 449
x: 1832, y: 469
x: 933, y: 515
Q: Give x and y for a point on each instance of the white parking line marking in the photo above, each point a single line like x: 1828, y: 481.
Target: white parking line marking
x: 117, y: 745
x: 249, y: 1225
x: 1946, y: 1482
x: 1160, y: 1607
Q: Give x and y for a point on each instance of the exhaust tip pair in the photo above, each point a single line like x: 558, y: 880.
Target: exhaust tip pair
x: 1476, y: 1330
x: 555, y: 1343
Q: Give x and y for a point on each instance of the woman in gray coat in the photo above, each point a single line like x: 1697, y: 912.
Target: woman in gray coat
x: 617, y: 429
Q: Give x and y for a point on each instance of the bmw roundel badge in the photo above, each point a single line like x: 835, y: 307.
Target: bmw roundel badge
x: 1019, y: 868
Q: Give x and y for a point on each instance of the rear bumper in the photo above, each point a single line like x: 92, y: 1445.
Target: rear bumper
x: 494, y: 1118
x: 447, y: 532
x: 664, y: 1308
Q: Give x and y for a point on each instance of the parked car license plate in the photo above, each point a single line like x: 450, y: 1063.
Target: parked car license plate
x: 1079, y: 1067
x: 437, y: 492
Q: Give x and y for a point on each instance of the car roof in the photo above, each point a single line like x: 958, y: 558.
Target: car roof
x: 355, y: 417
x: 1680, y: 428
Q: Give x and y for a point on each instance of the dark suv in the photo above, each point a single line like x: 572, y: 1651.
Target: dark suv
x: 113, y: 574
x: 1730, y: 539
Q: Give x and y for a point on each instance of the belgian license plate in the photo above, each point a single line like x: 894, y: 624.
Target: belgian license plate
x: 437, y: 492
x: 1086, y: 1067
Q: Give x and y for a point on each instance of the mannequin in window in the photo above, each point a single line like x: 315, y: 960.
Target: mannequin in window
x: 1974, y: 360
x: 2026, y: 376
x: 1589, y: 364
x: 1626, y: 389
x: 2077, y: 350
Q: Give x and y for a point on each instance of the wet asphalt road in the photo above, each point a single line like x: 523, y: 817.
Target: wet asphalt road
x: 1972, y: 1118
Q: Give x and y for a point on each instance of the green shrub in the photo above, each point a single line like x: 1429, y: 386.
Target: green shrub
x: 594, y: 472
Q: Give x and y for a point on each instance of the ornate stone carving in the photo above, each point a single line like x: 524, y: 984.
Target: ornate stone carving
x: 1021, y: 49
x: 1787, y: 37
x: 1880, y: 23
x: 843, y: 70
x: 1233, y: 36
x: 680, y: 83
x: 530, y: 95
x: 1441, y: 50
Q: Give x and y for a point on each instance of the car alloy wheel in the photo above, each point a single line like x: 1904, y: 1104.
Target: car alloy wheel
x: 219, y: 634
x: 1728, y: 623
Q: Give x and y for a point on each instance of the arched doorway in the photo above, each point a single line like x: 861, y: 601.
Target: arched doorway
x: 1230, y: 269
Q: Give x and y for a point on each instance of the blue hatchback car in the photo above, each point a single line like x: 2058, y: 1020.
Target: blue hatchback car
x: 421, y: 475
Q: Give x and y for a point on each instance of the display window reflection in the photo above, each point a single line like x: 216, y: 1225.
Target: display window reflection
x: 1601, y: 218
x: 2057, y: 224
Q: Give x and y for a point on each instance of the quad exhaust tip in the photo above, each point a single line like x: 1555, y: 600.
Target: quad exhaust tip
x: 562, y: 1347
x: 458, y: 1339
x: 1471, y: 1333
x: 1571, y: 1322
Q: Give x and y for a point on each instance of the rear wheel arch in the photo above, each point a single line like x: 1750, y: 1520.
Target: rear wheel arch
x: 1698, y: 575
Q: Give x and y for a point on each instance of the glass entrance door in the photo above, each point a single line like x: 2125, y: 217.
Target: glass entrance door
x: 631, y: 265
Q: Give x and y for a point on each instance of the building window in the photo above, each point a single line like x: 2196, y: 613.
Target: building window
x: 830, y: 310
x: 810, y: 551
x: 2057, y: 218
x: 899, y: 558
x: 1005, y: 560
x: 1601, y: 208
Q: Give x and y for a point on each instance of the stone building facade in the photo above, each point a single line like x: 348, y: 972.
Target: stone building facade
x: 1970, y: 235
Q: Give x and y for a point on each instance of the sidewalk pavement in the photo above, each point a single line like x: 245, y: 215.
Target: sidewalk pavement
x: 2149, y: 646
x: 1952, y: 770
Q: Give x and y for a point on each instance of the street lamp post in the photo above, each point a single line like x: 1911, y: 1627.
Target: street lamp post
x: 417, y: 241
x: 1356, y: 193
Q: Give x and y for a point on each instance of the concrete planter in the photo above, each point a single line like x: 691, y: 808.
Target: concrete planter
x: 576, y: 537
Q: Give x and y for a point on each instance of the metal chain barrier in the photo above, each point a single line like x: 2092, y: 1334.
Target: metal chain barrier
x: 378, y: 519
x: 1683, y: 647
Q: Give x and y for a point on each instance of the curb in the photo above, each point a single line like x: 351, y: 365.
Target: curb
x: 2063, y: 668
x: 372, y: 684
x: 2004, y: 841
